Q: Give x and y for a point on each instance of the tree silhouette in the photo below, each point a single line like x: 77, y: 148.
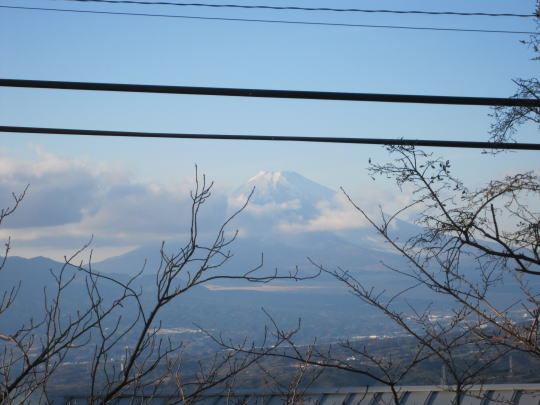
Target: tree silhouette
x: 101, y: 325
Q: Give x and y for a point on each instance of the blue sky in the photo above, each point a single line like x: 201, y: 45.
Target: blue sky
x: 84, y: 47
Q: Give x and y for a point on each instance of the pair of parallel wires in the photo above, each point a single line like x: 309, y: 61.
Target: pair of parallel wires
x: 533, y: 104
x: 287, y: 8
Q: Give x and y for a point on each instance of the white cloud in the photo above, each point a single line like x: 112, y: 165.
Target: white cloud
x: 69, y: 200
x: 337, y: 214
x: 265, y: 208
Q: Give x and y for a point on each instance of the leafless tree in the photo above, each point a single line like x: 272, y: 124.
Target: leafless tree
x: 150, y: 363
x: 292, y: 389
x: 469, y: 242
x: 385, y: 369
x: 8, y: 296
x: 508, y: 119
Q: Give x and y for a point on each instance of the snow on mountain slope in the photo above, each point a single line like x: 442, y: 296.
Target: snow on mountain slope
x: 284, y: 192
x: 289, y: 218
x: 284, y: 186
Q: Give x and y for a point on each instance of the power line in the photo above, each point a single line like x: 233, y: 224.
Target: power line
x: 400, y: 27
x: 363, y: 141
x: 294, y: 8
x: 264, y: 93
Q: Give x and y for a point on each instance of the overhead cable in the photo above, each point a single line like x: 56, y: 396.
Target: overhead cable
x: 364, y: 141
x: 253, y: 20
x: 295, y: 8
x: 264, y: 93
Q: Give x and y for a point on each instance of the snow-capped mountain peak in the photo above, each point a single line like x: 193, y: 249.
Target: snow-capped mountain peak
x: 282, y: 191
x: 272, y: 177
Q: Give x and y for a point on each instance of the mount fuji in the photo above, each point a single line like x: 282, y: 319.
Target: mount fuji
x: 285, y: 189
x: 288, y: 219
x: 277, y: 199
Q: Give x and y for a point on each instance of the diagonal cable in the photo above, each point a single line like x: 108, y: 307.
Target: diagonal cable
x: 252, y: 20
x: 274, y: 138
x: 295, y: 8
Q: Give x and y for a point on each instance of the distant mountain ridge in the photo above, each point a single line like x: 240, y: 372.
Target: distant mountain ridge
x: 279, y: 197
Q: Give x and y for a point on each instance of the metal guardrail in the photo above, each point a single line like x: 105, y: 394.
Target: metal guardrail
x: 515, y: 394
